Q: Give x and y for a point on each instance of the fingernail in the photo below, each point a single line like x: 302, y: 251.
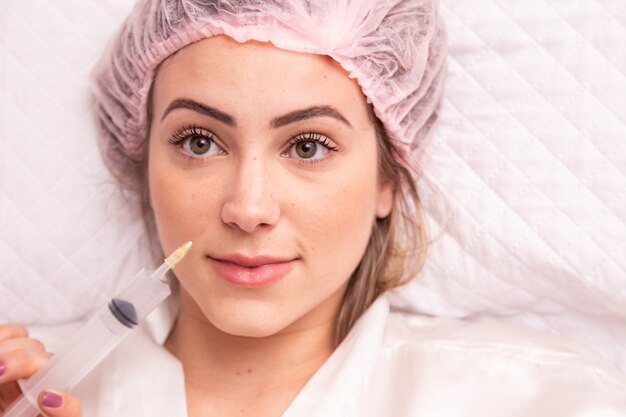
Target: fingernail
x: 52, y: 400
x: 2, y: 369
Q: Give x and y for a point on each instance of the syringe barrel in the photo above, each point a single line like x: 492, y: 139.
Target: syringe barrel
x: 94, y: 340
x: 145, y: 293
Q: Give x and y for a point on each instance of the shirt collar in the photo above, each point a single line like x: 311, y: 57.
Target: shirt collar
x: 338, y: 386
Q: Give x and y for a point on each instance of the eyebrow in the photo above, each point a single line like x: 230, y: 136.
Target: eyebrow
x: 308, y: 113
x: 280, y: 121
x: 185, y: 103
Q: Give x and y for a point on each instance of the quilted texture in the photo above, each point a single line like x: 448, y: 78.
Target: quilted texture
x: 525, y: 184
x: 66, y: 234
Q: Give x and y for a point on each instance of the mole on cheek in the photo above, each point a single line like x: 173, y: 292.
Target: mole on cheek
x: 248, y: 371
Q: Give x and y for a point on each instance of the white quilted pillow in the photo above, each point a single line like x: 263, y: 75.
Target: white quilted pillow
x: 525, y: 186
x: 66, y: 234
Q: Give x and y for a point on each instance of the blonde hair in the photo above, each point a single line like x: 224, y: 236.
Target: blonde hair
x: 396, y: 250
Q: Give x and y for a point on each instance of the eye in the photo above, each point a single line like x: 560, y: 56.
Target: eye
x: 197, y: 145
x: 309, y: 146
x: 196, y: 142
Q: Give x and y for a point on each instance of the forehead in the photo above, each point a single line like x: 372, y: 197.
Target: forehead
x: 255, y: 76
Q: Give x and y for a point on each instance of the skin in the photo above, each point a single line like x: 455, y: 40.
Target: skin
x: 249, y: 350
x: 255, y: 195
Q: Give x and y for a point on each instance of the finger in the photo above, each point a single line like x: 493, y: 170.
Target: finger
x: 12, y: 331
x: 59, y: 404
x: 8, y: 393
x: 22, y: 343
x: 21, y: 363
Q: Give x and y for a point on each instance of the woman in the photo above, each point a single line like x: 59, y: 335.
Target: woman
x: 249, y: 130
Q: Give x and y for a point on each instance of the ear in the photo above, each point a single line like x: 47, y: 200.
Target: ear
x: 385, y: 200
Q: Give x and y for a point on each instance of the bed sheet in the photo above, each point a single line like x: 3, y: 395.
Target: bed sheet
x: 524, y: 184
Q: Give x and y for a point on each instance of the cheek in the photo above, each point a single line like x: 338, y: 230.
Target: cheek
x: 180, y: 212
x: 337, y: 222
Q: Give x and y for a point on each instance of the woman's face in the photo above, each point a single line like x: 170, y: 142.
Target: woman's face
x: 267, y: 160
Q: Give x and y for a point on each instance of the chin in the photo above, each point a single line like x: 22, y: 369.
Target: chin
x: 257, y: 332
x: 247, y: 329
x: 257, y: 321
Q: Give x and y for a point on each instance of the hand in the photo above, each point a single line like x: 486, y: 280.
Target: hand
x: 21, y: 357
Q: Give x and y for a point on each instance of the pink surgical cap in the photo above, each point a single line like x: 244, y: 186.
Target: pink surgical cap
x: 395, y: 49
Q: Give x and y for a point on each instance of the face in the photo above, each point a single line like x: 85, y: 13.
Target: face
x: 267, y: 160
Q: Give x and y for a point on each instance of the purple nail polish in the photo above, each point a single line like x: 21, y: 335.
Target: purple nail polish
x: 52, y: 400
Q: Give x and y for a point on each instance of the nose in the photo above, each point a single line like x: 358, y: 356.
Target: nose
x: 250, y: 200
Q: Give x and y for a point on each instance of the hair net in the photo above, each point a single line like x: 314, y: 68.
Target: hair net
x: 395, y: 49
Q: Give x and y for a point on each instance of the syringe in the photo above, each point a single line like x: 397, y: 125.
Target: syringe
x: 98, y: 337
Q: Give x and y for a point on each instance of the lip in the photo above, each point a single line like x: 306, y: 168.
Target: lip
x: 256, y: 271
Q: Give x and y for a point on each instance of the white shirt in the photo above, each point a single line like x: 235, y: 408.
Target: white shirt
x: 390, y: 365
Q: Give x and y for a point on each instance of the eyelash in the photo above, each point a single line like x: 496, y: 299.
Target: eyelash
x: 188, y: 132
x: 310, y: 136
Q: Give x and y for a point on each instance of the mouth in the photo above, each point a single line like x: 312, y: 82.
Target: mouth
x: 257, y: 271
